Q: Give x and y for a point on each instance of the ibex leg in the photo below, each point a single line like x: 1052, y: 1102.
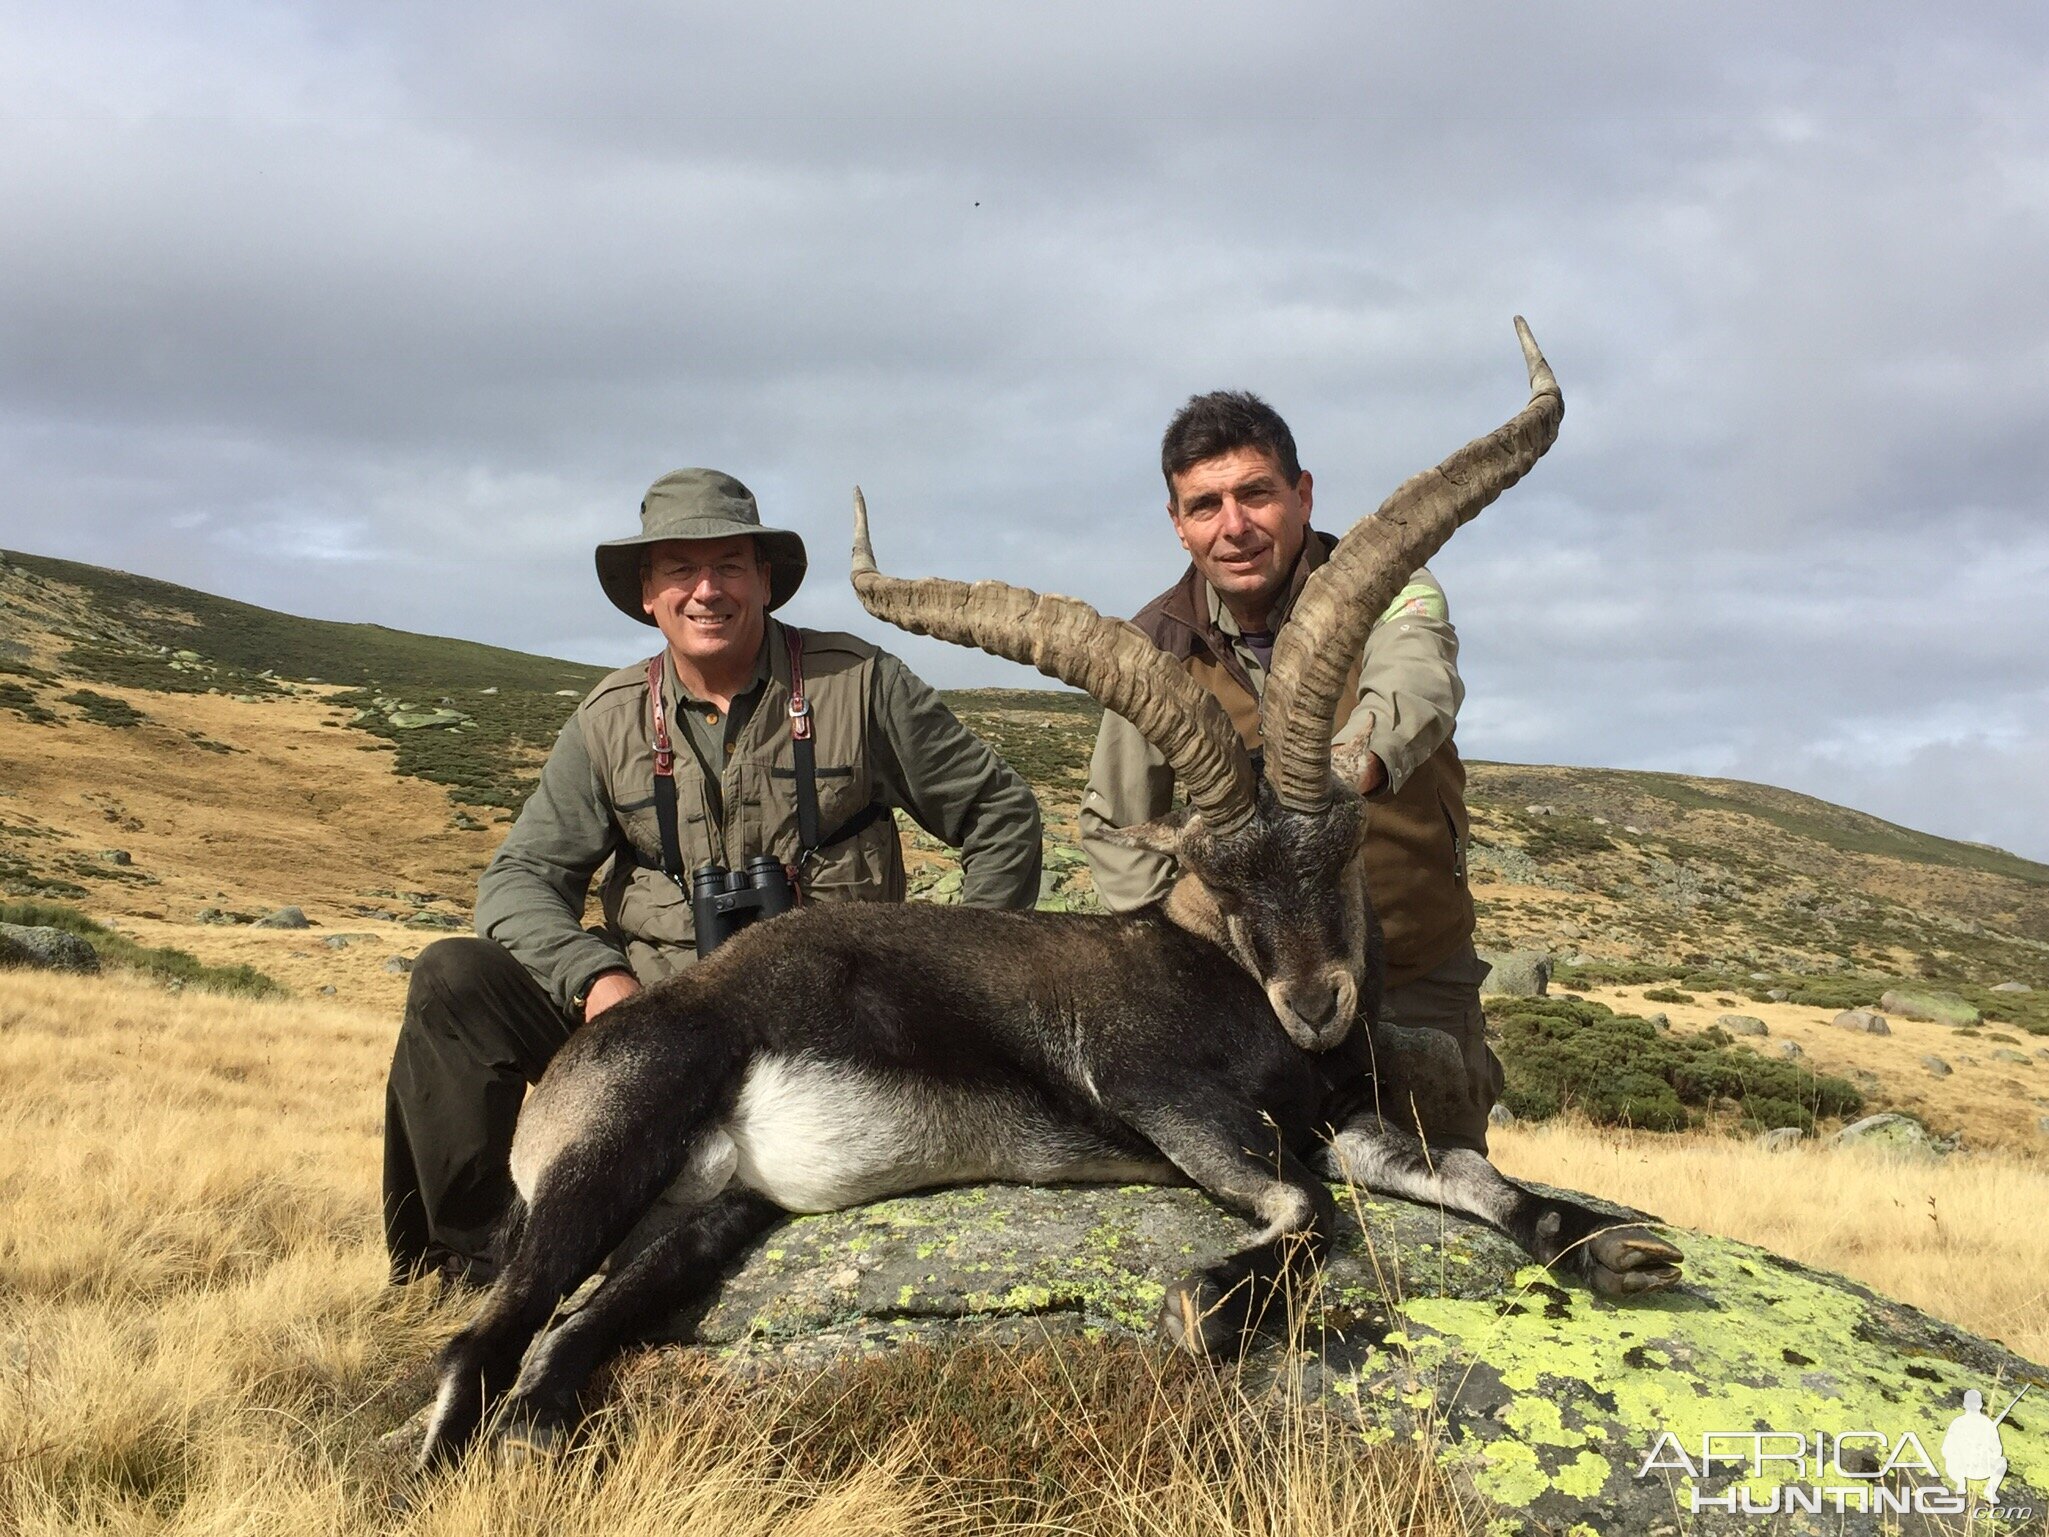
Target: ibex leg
x: 1615, y: 1258
x: 1236, y: 1156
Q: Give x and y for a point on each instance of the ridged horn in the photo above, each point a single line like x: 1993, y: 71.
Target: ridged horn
x: 1066, y: 639
x: 1314, y: 652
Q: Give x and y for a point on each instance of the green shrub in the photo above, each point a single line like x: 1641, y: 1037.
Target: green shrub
x: 23, y: 702
x: 1619, y: 1071
x: 159, y: 961
x: 1667, y: 995
x: 105, y: 709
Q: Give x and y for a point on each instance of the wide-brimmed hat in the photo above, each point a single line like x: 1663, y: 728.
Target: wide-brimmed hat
x: 698, y: 504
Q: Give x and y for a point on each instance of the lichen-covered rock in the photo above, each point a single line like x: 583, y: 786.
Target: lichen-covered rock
x: 1927, y: 1003
x: 45, y: 949
x: 1546, y: 1398
x: 1517, y: 973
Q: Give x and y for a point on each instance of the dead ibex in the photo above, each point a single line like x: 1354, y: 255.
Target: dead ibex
x: 845, y: 1053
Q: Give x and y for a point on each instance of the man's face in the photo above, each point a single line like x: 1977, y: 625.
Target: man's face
x: 708, y: 597
x: 1242, y: 524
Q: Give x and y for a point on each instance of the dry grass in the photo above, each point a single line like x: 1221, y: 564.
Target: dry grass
x: 1953, y: 1237
x: 195, y: 1338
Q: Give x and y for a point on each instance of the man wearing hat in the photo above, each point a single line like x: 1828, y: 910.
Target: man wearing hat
x: 790, y: 743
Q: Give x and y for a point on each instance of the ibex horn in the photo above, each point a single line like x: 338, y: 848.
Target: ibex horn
x: 1066, y: 639
x: 1315, y: 649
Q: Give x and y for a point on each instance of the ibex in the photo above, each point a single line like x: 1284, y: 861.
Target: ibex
x: 840, y: 1054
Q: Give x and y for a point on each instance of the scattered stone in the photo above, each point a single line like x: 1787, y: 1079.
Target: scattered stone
x: 2011, y: 987
x: 399, y: 965
x: 1777, y: 994
x: 436, y: 921
x: 116, y: 856
x: 416, y: 720
x: 1779, y: 1138
x: 285, y: 918
x: 491, y: 690
x: 1866, y: 1020
x: 1760, y: 976
x: 1927, y: 1003
x: 2008, y: 1054
x: 1517, y: 973
x: 336, y: 941
x: 1634, y: 832
x: 1890, y: 1131
x: 567, y: 693
x: 1937, y: 1066
x: 1501, y: 1115
x: 327, y: 991
x: 1661, y: 1022
x: 1742, y: 1024
x: 1540, y: 811
x: 37, y: 948
x: 466, y: 823
x: 1791, y: 1050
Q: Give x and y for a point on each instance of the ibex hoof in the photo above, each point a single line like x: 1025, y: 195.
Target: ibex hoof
x: 1626, y: 1261
x: 1204, y: 1317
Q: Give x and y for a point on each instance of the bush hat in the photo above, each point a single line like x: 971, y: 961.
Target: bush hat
x: 698, y: 504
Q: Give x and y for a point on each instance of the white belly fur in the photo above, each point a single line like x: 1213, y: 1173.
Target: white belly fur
x: 815, y: 1136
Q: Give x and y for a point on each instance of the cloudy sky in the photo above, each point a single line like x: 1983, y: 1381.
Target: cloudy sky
x: 390, y: 312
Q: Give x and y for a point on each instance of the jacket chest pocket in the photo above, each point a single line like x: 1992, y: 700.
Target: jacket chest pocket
x: 841, y: 794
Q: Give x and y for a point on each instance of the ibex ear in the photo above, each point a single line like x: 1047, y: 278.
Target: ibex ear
x: 1164, y: 835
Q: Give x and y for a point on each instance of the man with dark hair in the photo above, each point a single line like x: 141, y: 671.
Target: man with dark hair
x: 1240, y: 504
x: 742, y: 737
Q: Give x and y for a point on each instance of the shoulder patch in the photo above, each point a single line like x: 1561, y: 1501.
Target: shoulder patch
x: 1423, y: 599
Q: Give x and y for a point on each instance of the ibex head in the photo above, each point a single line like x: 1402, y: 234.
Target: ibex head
x: 1270, y: 867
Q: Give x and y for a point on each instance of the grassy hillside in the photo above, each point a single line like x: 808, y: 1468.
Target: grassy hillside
x: 236, y: 760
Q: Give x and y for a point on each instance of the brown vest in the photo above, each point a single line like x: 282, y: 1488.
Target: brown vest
x: 645, y: 913
x: 1415, y: 841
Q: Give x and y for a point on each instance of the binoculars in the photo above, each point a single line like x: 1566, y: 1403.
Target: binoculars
x: 723, y: 902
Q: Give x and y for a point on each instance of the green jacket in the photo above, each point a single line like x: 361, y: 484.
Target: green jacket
x: 882, y: 735
x: 1407, y: 679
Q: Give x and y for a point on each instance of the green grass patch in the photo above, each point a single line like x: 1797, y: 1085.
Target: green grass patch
x: 1617, y: 1070
x: 1667, y: 995
x: 158, y: 961
x: 104, y: 709
x: 22, y: 701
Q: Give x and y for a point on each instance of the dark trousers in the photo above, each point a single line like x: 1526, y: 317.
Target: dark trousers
x: 477, y: 1030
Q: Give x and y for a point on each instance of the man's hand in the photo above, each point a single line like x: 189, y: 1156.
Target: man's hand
x: 1372, y: 774
x: 1353, y: 762
x: 609, y: 988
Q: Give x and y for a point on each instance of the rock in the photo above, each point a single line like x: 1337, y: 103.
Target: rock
x: 464, y: 822
x: 1927, y: 1003
x: 1742, y: 1024
x: 1501, y: 1115
x: 1890, y: 1132
x: 2008, y: 1054
x: 1660, y: 1021
x: 34, y: 947
x: 116, y: 857
x: 2011, y: 987
x: 1540, y: 811
x: 1936, y: 1066
x: 1862, y: 1019
x: 336, y: 941
x: 1633, y: 831
x: 327, y: 991
x: 416, y: 720
x: 1760, y: 976
x: 436, y: 921
x: 567, y: 693
x: 1517, y: 973
x: 1777, y: 994
x: 1779, y: 1138
x: 1865, y: 1080
x: 492, y: 690
x: 285, y: 918
x: 1791, y: 1050
x: 399, y: 965
x: 1542, y: 1397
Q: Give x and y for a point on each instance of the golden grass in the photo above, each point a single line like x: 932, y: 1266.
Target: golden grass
x: 1955, y: 1237
x: 195, y: 1337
